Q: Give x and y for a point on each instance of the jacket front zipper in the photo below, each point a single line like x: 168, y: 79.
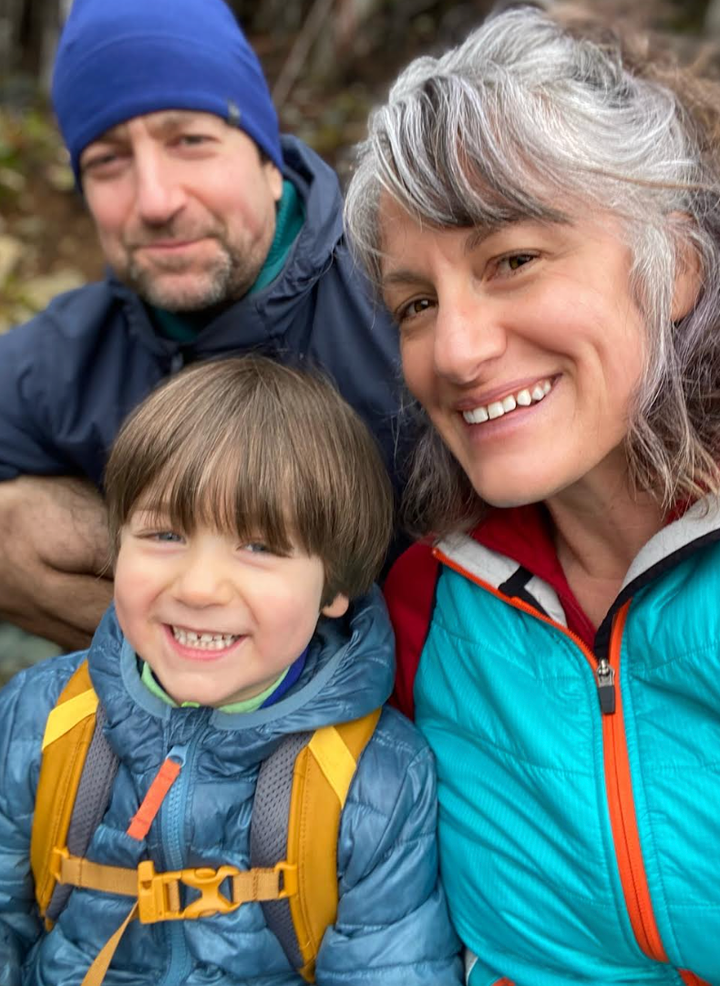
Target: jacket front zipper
x: 623, y: 819
x: 172, y: 821
x: 618, y: 780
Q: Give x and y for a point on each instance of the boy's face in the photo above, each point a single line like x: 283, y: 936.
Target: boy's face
x: 217, y: 621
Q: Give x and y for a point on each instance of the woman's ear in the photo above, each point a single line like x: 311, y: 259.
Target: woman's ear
x: 338, y: 607
x: 688, y: 280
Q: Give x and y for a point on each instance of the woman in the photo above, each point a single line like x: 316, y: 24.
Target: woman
x: 541, y: 210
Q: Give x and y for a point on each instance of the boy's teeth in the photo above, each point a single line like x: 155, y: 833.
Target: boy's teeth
x: 203, y: 641
x: 496, y: 409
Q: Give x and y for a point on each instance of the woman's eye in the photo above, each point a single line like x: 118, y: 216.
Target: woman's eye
x: 514, y: 262
x: 412, y: 308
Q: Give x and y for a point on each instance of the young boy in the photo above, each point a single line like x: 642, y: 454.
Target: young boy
x: 250, y: 514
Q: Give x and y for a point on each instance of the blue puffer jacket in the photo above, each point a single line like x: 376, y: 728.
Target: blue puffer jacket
x: 392, y: 926
x: 72, y: 374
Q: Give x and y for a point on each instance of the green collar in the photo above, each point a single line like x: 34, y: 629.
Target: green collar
x: 249, y: 705
x: 288, y: 223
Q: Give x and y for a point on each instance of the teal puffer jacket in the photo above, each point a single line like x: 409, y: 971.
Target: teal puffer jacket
x: 392, y: 926
x: 580, y: 789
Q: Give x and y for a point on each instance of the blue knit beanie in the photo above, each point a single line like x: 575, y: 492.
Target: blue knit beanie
x: 122, y: 58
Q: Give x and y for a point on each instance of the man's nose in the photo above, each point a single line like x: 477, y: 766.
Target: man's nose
x: 468, y: 333
x: 159, y: 195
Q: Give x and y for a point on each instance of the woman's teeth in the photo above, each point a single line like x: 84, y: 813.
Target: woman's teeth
x: 203, y: 641
x: 523, y: 398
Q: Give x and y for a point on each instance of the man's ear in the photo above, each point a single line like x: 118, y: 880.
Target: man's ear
x: 274, y: 179
x: 338, y: 607
x: 688, y: 280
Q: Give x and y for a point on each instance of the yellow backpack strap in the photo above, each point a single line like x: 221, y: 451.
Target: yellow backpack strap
x: 323, y: 773
x: 299, y: 798
x: 68, y: 733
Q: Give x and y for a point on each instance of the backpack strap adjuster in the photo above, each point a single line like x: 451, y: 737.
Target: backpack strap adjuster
x: 159, y: 893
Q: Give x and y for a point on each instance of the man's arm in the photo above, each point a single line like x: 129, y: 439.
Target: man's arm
x: 55, y: 573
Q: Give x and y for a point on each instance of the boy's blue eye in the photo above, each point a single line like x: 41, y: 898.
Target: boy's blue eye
x: 256, y: 547
x: 167, y: 536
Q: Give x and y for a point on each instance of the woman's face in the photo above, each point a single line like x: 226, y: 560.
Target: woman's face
x: 524, y: 344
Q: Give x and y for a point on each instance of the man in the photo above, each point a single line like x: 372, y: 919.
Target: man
x: 220, y: 237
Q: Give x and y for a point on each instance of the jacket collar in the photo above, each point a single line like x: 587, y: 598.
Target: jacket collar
x: 521, y: 537
x: 349, y: 672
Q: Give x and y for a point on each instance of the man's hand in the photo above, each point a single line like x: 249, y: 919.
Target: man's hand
x: 55, y: 566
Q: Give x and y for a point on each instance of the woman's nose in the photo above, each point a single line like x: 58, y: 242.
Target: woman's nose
x: 468, y: 334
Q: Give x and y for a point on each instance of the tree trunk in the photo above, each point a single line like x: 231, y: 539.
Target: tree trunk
x: 712, y: 19
x: 28, y: 37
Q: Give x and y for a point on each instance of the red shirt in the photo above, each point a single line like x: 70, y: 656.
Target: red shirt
x: 520, y: 533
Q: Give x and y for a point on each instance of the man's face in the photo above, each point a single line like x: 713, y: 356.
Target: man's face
x: 184, y: 207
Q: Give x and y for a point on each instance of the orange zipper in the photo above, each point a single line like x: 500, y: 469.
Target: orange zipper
x: 690, y: 979
x: 618, y: 783
x: 622, y: 813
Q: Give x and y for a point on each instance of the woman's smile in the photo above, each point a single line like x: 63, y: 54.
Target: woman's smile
x: 500, y: 407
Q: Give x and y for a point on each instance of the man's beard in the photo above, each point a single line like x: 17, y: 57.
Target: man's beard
x: 222, y: 280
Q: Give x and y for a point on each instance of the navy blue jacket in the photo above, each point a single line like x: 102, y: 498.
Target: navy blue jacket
x: 70, y: 376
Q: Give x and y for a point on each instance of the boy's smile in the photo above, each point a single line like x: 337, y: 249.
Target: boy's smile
x: 204, y: 641
x: 217, y: 621
x: 202, y: 645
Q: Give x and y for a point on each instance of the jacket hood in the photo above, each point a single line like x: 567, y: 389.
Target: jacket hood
x: 348, y: 672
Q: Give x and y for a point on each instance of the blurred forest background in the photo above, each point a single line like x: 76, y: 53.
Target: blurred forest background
x: 327, y: 61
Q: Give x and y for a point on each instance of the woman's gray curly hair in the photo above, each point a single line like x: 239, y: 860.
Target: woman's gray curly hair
x: 534, y: 117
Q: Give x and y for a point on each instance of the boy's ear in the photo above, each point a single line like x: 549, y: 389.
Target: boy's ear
x: 338, y: 607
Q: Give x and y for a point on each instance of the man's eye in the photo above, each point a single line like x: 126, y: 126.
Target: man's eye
x: 100, y: 161
x: 192, y: 140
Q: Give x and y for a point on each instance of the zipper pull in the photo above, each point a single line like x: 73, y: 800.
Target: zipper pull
x: 164, y: 779
x: 605, y: 678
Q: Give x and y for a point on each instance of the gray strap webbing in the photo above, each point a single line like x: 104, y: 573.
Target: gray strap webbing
x: 91, y: 802
x: 269, y: 833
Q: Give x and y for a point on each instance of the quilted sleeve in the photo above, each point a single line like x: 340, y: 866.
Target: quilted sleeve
x: 21, y: 722
x: 392, y: 926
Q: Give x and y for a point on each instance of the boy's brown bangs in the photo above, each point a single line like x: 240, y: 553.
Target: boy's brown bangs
x: 232, y: 486
x: 249, y: 447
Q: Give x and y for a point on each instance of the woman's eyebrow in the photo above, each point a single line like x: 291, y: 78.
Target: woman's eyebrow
x: 477, y: 236
x: 402, y: 276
